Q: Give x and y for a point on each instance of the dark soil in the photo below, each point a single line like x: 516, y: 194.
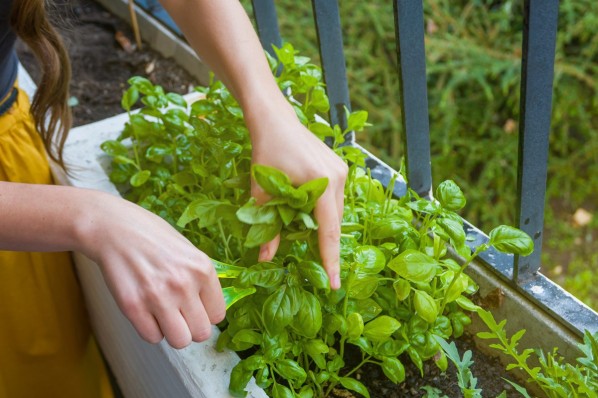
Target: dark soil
x: 101, y: 68
x: 487, y: 370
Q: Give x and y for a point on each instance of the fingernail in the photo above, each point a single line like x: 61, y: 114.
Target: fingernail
x: 336, y: 282
x: 263, y: 253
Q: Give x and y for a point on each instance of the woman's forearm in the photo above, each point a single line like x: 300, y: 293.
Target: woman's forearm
x: 222, y: 35
x: 42, y: 217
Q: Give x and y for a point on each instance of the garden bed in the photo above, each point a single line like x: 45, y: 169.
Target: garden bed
x: 97, y: 89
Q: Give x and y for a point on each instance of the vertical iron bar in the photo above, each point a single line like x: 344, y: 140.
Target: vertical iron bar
x: 409, y: 30
x: 266, y: 20
x: 537, y: 73
x: 330, y: 39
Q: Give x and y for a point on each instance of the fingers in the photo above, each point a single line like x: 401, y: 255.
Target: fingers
x: 329, y: 232
x: 212, y: 299
x: 197, y: 320
x: 268, y: 250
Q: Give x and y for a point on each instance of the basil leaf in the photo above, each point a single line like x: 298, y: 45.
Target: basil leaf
x: 224, y: 270
x: 261, y: 233
x: 369, y: 259
x: 308, y: 320
x: 354, y: 325
x: 511, y: 240
x: 314, y: 273
x: 381, y: 328
x: 393, y: 369
x: 426, y: 306
x: 277, y: 312
x: 450, y: 195
x: 351, y: 384
x: 271, y: 180
x: 251, y: 213
x: 291, y: 370
x: 414, y: 266
x: 140, y: 178
x: 262, y: 274
x: 234, y: 294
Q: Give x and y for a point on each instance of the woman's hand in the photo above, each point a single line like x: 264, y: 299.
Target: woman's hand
x: 280, y: 140
x: 163, y: 284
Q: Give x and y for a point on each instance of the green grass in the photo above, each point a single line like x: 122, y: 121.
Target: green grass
x: 473, y: 69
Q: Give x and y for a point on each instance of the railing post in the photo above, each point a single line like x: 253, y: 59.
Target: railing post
x: 409, y: 30
x: 266, y: 20
x: 537, y: 72
x: 330, y: 39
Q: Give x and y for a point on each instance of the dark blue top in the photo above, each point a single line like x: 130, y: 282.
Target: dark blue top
x: 8, y: 56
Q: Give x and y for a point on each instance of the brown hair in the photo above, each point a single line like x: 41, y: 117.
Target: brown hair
x: 49, y: 107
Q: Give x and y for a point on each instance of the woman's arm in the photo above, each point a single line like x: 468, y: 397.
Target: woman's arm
x: 163, y: 284
x: 222, y: 35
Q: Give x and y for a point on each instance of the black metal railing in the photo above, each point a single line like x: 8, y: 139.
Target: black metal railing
x: 538, y: 49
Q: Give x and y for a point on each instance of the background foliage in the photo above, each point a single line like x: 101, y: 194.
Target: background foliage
x: 473, y: 52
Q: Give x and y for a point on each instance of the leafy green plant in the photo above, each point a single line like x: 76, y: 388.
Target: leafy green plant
x: 190, y: 163
x: 473, y: 53
x: 553, y: 376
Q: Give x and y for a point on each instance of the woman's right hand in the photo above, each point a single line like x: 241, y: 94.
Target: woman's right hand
x: 162, y: 283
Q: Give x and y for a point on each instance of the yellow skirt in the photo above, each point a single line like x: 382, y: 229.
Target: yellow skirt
x: 46, y: 346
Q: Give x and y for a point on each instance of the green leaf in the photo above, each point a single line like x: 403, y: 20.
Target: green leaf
x: 363, y: 286
x: 177, y: 99
x: 287, y: 213
x: 207, y: 211
x: 239, y: 378
x: 368, y: 308
x: 234, y: 294
x: 280, y: 391
x: 129, y: 98
x: 369, y: 259
x: 315, y: 348
x: 247, y: 336
x: 450, y: 196
x: 224, y: 270
x: 511, y: 240
x: 426, y: 306
x: 252, y: 213
x: 321, y: 130
x: 263, y: 274
x: 114, y: 148
x: 261, y: 233
x: 393, y: 369
x: 414, y: 266
x: 351, y: 384
x: 354, y: 325
x: 453, y: 229
x: 140, y: 178
x: 314, y: 189
x: 308, y: 320
x: 402, y: 288
x: 291, y: 370
x: 357, y: 120
x: 314, y: 273
x: 277, y: 311
x: 381, y: 328
x: 467, y: 304
x: 271, y: 180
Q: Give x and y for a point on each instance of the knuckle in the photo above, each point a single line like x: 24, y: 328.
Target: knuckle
x: 330, y: 234
x: 202, y: 334
x: 178, y: 342
x: 217, y: 317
